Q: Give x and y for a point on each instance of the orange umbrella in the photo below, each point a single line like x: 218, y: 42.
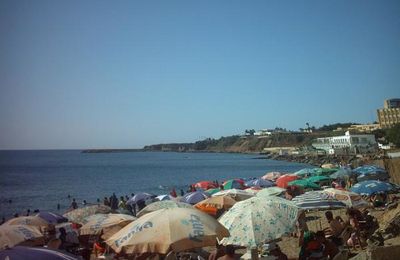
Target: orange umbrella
x: 218, y: 202
x: 285, y: 179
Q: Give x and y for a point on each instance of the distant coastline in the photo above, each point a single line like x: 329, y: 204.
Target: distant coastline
x: 111, y: 150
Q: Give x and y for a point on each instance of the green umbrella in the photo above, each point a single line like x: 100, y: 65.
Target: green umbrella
x: 212, y: 191
x: 315, y: 171
x: 319, y: 178
x: 305, y: 184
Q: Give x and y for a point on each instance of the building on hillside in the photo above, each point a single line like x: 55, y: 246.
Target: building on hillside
x: 389, y: 115
x: 346, y: 144
x: 264, y: 132
x: 368, y: 128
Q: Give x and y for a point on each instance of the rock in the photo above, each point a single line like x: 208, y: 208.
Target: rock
x: 379, y: 253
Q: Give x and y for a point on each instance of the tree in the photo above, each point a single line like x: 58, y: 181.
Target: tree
x: 250, y: 132
x: 393, y: 135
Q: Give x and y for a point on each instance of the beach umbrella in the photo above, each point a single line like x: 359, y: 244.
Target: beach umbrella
x: 35, y: 221
x: 285, y: 179
x: 371, y: 172
x: 349, y: 198
x: 305, y: 184
x: 317, y: 200
x: 51, y: 217
x: 319, y: 178
x: 258, y: 220
x: 253, y: 190
x: 259, y: 183
x: 163, y: 197
x: 205, y: 185
x: 12, y: 235
x: 78, y: 215
x: 167, y: 204
x: 35, y: 253
x: 315, y: 171
x: 272, y: 176
x: 342, y: 173
x: 161, y: 231
x: 235, y: 194
x: 218, y: 202
x: 233, y: 184
x: 194, y: 197
x: 141, y: 196
x: 213, y: 191
x: 368, y: 169
x: 372, y: 187
x: 107, y: 224
x: 305, y: 172
x: 273, y: 191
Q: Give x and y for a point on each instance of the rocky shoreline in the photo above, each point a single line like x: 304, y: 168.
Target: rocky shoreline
x: 318, y: 160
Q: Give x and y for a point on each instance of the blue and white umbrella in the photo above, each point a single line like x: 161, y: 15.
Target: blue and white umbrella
x: 372, y: 187
x: 195, y: 197
x: 371, y: 172
x: 259, y: 183
x: 317, y: 200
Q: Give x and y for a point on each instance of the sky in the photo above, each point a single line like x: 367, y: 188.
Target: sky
x: 124, y: 74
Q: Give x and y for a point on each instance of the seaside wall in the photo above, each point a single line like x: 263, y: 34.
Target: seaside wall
x: 393, y: 167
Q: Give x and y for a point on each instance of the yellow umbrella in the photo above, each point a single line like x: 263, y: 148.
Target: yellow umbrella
x: 164, y: 204
x: 109, y: 224
x: 12, y: 235
x: 176, y: 229
x: 79, y: 215
x: 218, y: 202
x: 35, y: 221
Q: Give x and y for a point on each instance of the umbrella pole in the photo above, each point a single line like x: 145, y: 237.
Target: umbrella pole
x: 254, y: 254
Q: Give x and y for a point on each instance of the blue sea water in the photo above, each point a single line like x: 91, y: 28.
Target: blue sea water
x: 43, y: 179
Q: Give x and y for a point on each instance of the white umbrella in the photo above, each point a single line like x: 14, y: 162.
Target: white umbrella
x: 258, y: 220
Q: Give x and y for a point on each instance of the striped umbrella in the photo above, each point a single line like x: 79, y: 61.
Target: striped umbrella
x: 317, y: 200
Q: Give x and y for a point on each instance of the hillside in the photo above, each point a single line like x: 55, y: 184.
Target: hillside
x: 239, y: 144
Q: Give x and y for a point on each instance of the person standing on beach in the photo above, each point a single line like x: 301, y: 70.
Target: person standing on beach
x: 114, y: 202
x: 74, y: 205
x: 106, y: 202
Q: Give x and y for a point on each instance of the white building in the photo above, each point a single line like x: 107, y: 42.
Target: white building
x: 346, y: 144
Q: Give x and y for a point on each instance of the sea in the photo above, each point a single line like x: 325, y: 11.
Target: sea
x: 42, y: 179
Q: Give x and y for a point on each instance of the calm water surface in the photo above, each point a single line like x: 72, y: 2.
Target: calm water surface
x: 42, y: 179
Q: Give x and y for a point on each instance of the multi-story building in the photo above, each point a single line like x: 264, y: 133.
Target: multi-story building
x: 346, y: 144
x: 389, y: 115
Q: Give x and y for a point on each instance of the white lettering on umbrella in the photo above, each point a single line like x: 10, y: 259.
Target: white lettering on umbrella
x: 198, y: 228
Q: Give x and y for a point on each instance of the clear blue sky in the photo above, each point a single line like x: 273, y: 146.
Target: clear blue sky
x: 122, y: 74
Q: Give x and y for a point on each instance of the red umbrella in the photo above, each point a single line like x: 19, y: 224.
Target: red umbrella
x: 205, y: 185
x: 285, y: 179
